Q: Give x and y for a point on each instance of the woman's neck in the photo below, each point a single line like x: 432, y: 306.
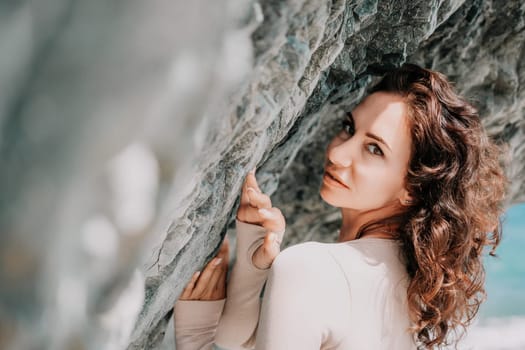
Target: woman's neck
x: 353, y: 220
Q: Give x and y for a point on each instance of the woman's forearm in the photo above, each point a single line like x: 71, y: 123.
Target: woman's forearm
x: 196, y: 323
x: 239, y: 320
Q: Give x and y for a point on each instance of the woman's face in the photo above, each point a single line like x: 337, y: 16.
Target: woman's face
x: 369, y: 156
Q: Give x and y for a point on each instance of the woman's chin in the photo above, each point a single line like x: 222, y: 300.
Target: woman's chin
x: 328, y: 198
x: 336, y: 200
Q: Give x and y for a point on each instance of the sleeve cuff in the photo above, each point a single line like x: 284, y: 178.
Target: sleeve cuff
x: 197, y: 313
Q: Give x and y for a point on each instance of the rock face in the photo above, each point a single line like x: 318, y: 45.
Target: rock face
x: 191, y: 107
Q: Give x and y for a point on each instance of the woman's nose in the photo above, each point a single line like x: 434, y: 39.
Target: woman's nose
x: 340, y: 155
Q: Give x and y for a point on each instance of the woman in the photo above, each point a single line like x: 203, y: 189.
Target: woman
x: 420, y: 189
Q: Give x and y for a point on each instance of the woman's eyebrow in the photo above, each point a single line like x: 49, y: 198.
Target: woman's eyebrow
x: 350, y: 116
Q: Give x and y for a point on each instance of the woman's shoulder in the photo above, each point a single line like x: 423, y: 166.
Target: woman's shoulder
x: 301, y: 250
x: 307, y: 256
x: 309, y: 267
x: 311, y: 251
x: 312, y: 260
x: 371, y: 257
x: 358, y: 249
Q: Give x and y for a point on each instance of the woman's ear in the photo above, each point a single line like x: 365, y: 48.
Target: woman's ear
x: 406, y: 199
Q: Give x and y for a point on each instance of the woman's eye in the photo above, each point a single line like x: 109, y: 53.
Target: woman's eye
x: 374, y: 149
x: 348, y: 127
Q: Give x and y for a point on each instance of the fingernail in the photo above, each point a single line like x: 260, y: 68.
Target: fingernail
x: 264, y: 212
x: 197, y: 274
x: 217, y: 261
x: 252, y: 171
x: 252, y: 189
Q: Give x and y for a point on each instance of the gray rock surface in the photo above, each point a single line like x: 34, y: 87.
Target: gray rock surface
x: 170, y: 104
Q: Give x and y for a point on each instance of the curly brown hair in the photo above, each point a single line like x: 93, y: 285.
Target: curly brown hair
x: 456, y: 179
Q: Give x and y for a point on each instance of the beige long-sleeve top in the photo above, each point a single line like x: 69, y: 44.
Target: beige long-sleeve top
x: 348, y: 295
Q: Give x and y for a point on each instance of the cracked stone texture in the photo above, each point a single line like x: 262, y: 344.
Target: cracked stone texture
x: 309, y: 61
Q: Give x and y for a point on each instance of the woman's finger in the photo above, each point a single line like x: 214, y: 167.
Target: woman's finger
x: 224, y: 252
x: 251, y: 181
x: 244, y: 194
x: 267, y: 252
x: 273, y: 220
x: 259, y: 200
x: 187, y: 292
x: 245, y: 185
x: 221, y: 285
x: 211, y: 292
x: 216, y: 287
x: 249, y: 214
x: 205, y: 277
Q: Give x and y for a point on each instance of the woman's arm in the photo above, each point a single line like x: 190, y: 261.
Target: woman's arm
x: 260, y: 228
x: 196, y: 323
x: 241, y: 311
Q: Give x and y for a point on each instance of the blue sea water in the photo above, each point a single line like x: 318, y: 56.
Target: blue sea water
x: 501, y: 320
x: 505, y: 274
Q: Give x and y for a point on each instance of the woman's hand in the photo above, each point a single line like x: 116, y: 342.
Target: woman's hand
x: 256, y: 208
x: 211, y: 283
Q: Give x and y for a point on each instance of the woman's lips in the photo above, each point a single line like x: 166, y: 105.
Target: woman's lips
x: 331, y: 180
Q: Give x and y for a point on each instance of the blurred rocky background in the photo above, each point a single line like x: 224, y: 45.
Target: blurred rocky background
x: 127, y: 128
